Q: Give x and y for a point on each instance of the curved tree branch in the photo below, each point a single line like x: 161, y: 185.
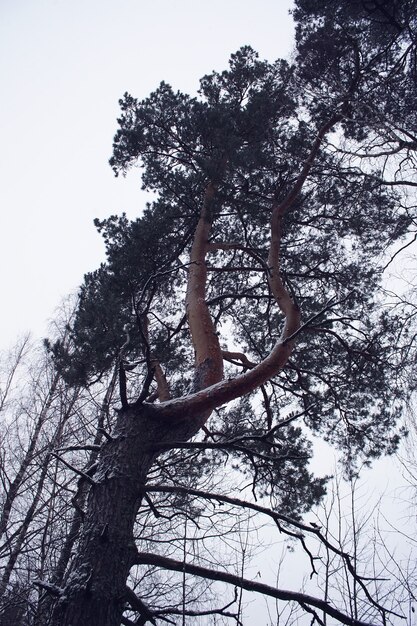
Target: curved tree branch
x: 279, y: 520
x: 145, y: 558
x: 208, y: 358
x: 211, y: 396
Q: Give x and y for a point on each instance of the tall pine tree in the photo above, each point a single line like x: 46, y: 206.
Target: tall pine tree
x: 243, y: 308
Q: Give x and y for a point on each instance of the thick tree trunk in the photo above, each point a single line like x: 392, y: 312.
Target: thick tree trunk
x: 95, y: 589
x: 46, y: 601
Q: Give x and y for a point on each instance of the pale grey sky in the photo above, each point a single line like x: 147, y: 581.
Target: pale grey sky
x: 63, y: 66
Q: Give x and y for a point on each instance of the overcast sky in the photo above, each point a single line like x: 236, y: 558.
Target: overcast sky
x: 63, y: 67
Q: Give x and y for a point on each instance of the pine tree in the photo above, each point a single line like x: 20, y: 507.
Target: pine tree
x: 243, y: 308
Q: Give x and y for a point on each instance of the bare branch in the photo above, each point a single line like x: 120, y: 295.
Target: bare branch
x: 53, y: 590
x: 138, y: 605
x: 74, y: 469
x: 279, y: 519
x: 145, y: 558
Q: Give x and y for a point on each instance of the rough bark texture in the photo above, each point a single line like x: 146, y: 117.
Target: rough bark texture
x: 94, y: 593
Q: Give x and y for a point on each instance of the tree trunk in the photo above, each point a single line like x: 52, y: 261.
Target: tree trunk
x: 46, y: 601
x: 95, y: 589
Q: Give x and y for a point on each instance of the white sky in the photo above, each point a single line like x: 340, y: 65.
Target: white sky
x: 63, y: 67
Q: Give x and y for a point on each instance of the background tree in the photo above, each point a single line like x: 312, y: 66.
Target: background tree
x: 277, y: 192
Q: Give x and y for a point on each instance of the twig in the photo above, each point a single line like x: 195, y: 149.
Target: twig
x: 313, y: 318
x: 53, y: 590
x: 145, y: 558
x: 74, y: 469
x: 138, y: 605
x: 145, y: 389
x: 86, y: 447
x: 105, y: 434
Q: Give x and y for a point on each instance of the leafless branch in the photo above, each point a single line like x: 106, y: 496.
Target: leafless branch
x: 146, y: 558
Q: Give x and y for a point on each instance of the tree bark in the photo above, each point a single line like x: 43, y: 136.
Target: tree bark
x: 46, y: 601
x: 95, y: 589
x: 208, y: 356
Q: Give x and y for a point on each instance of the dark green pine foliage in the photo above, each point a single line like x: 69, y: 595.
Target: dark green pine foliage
x: 250, y: 130
x: 369, y: 49
x: 366, y: 53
